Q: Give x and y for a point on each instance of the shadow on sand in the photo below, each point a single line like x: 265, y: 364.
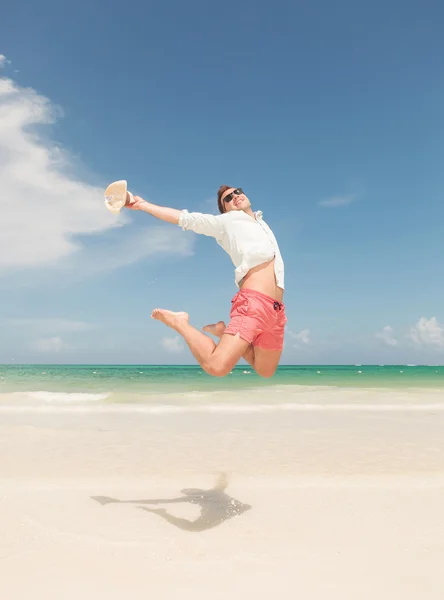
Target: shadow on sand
x: 216, y: 506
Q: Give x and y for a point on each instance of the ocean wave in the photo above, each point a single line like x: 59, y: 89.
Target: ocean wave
x: 66, y: 397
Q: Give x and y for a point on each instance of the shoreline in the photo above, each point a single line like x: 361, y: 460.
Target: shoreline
x: 278, y: 397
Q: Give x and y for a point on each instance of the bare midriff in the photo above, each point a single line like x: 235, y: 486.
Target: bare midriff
x: 263, y: 279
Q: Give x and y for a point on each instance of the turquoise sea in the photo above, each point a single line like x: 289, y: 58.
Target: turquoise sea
x: 120, y: 382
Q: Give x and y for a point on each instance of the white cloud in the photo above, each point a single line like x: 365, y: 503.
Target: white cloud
x: 44, y: 335
x: 303, y: 337
x: 46, y: 325
x: 427, y: 333
x: 336, y: 201
x: 387, y: 336
x: 45, y: 209
x: 4, y: 61
x: 173, y: 344
x: 52, y: 345
x: 129, y: 246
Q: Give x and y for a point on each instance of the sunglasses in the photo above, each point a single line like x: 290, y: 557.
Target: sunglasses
x: 236, y: 192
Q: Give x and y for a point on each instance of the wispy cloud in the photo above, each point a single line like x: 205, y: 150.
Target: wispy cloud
x: 46, y: 325
x: 302, y: 337
x: 45, y: 335
x: 50, y: 345
x: 49, y: 211
x: 173, y: 344
x: 387, y: 336
x: 337, y: 201
x: 427, y: 333
x: 4, y: 61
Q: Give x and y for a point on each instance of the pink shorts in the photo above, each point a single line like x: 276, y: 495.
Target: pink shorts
x: 258, y: 319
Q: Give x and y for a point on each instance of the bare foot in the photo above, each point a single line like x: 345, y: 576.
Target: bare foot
x: 216, y: 329
x: 169, y: 318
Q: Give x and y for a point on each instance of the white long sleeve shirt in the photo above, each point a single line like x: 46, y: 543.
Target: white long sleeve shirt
x: 248, y: 241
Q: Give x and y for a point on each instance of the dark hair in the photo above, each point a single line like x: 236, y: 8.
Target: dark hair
x: 220, y: 192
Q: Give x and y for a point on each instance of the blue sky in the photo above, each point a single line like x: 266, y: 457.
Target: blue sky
x: 329, y: 115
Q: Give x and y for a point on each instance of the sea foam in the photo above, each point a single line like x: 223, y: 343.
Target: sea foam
x: 65, y: 397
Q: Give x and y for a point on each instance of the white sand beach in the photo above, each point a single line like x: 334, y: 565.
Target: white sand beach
x: 310, y: 504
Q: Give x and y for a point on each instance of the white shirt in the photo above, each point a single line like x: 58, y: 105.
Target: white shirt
x: 248, y: 241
